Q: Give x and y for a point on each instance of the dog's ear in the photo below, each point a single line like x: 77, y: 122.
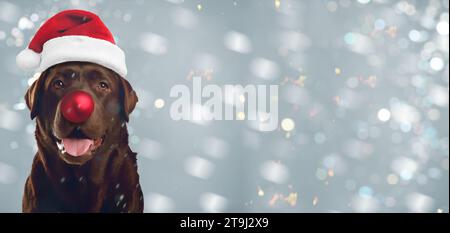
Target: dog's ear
x: 32, y: 97
x: 128, y: 98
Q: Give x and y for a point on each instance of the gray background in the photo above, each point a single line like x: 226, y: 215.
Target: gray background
x: 352, y: 58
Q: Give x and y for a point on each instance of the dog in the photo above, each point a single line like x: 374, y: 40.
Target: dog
x: 82, y: 166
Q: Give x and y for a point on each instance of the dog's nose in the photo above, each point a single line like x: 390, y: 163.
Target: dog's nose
x: 77, y: 106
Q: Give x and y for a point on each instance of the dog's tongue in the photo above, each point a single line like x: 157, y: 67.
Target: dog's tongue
x: 77, y: 147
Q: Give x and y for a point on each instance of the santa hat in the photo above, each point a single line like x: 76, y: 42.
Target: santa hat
x: 72, y: 35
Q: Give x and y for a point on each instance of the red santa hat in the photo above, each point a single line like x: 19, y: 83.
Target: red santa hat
x: 72, y: 35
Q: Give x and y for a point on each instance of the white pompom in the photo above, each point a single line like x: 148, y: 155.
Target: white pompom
x: 27, y: 59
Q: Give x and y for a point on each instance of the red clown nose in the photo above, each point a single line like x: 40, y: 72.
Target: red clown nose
x: 77, y: 106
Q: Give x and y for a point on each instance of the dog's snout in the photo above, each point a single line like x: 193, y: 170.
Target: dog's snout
x: 77, y: 106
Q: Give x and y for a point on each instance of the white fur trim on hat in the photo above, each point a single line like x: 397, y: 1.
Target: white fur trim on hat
x: 83, y: 48
x: 27, y: 59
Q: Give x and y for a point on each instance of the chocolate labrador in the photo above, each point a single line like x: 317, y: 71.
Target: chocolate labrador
x: 83, y: 164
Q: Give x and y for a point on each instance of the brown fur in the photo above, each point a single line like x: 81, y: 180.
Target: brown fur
x: 104, y: 181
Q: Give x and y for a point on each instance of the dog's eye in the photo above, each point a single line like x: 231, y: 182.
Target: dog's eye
x: 58, y: 84
x: 103, y: 85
